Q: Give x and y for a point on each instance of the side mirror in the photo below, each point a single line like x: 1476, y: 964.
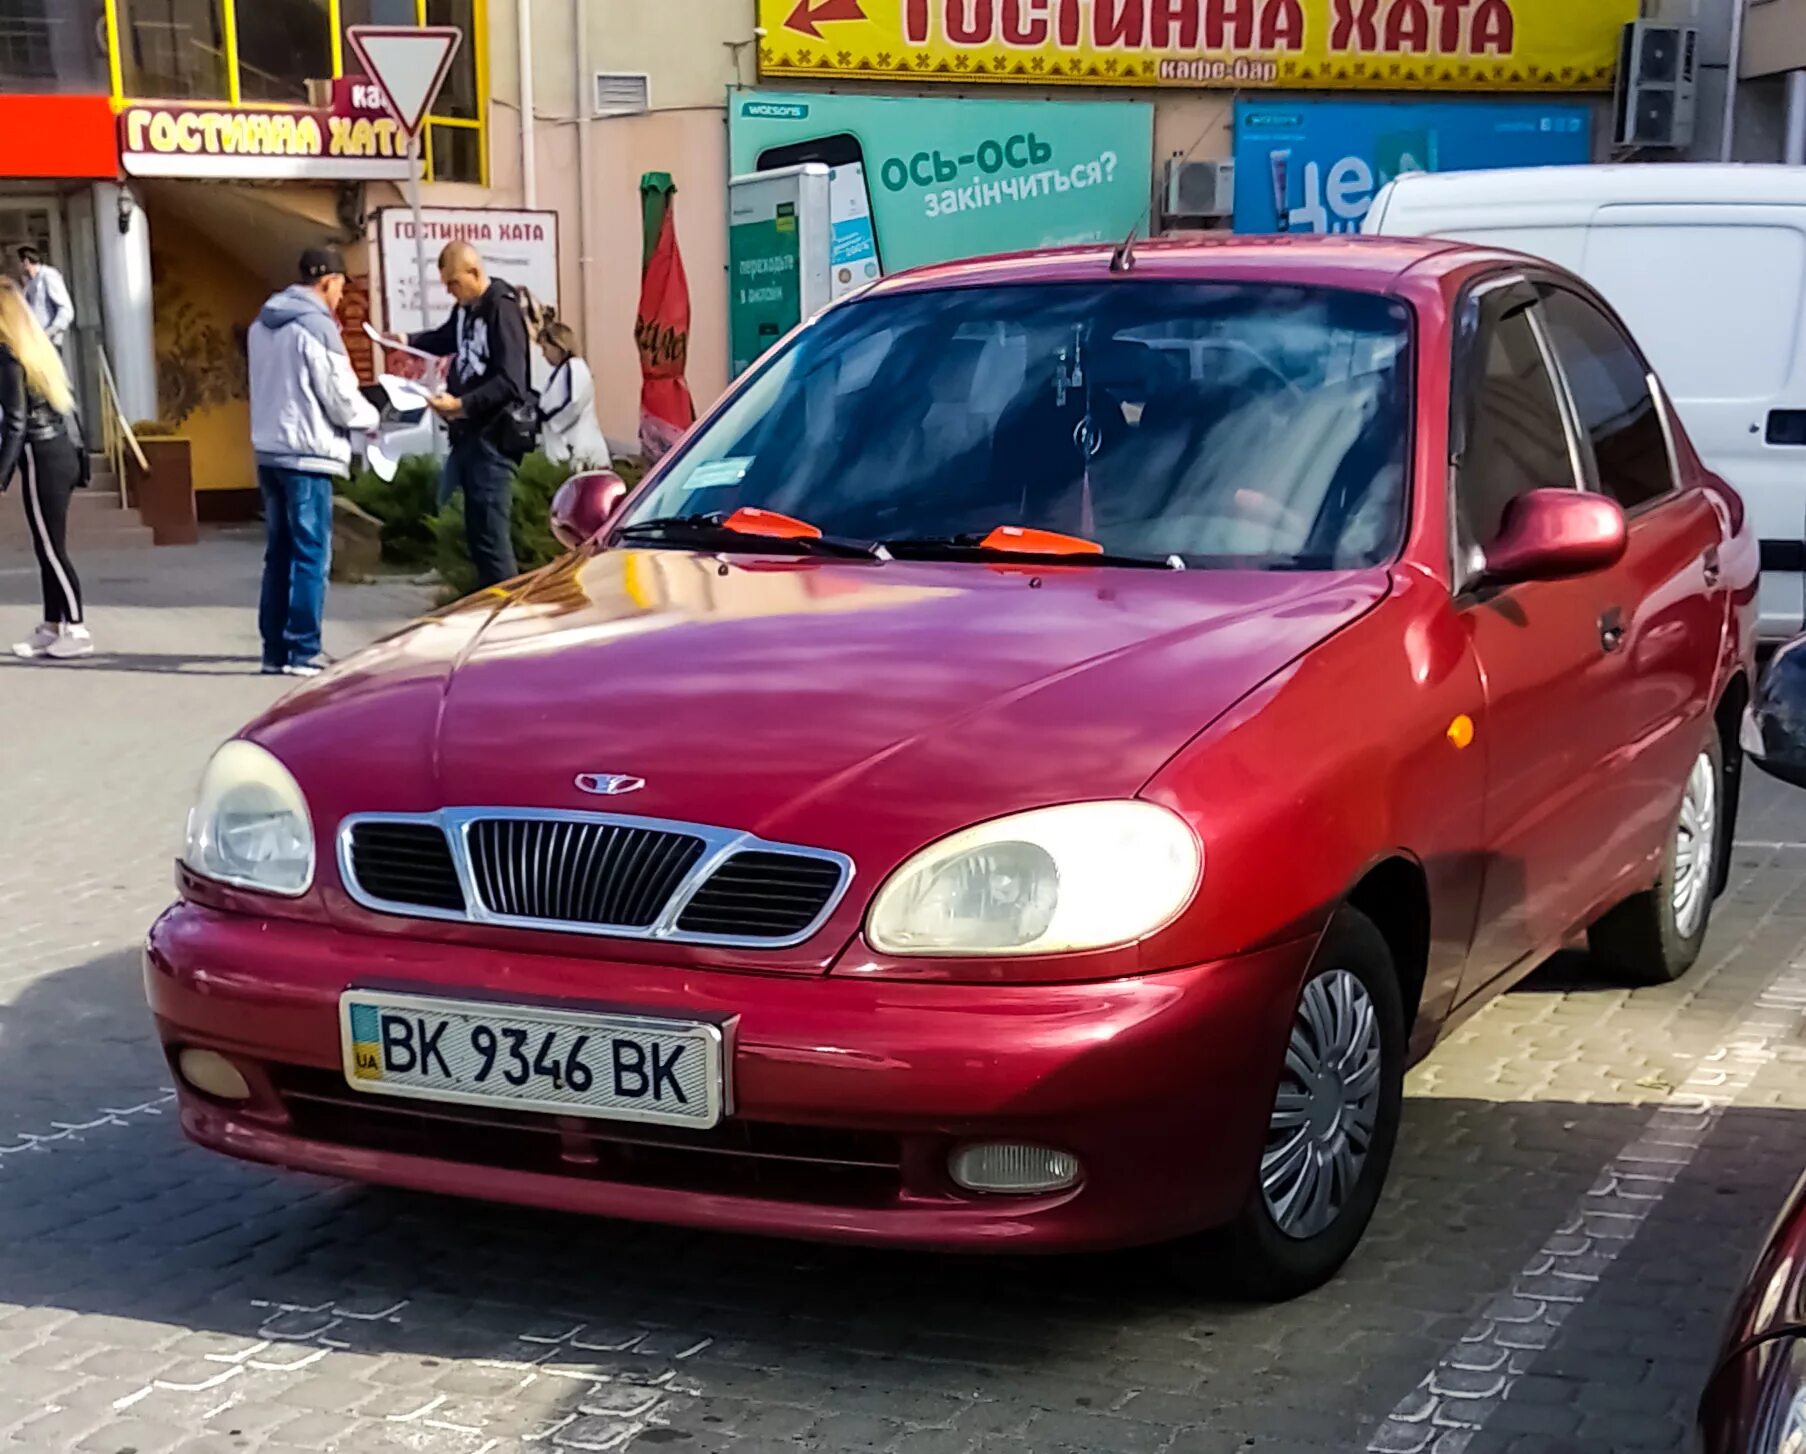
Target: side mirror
x: 1774, y: 726
x: 1550, y: 535
x: 585, y: 505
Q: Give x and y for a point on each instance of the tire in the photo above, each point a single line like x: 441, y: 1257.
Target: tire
x: 1285, y: 1242
x: 1655, y: 936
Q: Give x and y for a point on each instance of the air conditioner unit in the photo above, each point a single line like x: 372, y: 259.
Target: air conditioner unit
x: 1198, y: 190
x: 623, y: 93
x: 1658, y: 84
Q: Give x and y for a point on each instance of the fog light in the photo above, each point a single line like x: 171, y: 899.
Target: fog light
x: 212, y: 1074
x: 1006, y: 1167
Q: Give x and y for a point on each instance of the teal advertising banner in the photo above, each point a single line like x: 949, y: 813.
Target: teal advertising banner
x: 923, y: 180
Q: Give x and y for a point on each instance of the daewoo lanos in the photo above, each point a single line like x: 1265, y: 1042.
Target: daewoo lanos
x: 1754, y: 1402
x: 1030, y: 771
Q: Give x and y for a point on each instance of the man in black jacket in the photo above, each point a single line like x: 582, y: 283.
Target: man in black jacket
x: 486, y: 337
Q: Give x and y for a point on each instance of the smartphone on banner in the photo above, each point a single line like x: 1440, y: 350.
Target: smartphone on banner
x: 854, y: 258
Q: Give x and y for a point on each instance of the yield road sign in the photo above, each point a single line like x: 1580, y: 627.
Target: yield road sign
x: 409, y: 64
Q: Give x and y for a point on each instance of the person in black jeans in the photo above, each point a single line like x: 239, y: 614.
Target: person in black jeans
x: 38, y: 444
x: 487, y: 400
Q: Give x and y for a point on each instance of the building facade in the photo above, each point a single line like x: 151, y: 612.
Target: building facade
x: 173, y: 157
x: 1317, y: 100
x: 177, y: 154
x: 1772, y: 68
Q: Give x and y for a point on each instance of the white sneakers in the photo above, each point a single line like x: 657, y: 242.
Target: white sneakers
x: 37, y: 643
x: 55, y: 643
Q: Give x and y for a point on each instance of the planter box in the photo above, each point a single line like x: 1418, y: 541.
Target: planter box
x: 164, y: 494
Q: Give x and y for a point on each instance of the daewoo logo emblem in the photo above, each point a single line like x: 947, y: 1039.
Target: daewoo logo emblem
x: 609, y: 784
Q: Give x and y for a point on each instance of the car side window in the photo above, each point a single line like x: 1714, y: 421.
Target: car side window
x: 1609, y: 383
x: 1515, y: 437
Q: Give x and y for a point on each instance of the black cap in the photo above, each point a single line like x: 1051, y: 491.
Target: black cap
x: 321, y: 262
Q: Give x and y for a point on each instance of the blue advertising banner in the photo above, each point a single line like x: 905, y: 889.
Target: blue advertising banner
x: 1314, y: 166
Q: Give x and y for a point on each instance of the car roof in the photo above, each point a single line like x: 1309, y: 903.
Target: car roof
x: 1361, y: 264
x: 1705, y: 182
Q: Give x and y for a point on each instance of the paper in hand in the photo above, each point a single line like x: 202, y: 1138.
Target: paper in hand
x: 405, y: 396
x: 380, y: 461
x: 390, y: 344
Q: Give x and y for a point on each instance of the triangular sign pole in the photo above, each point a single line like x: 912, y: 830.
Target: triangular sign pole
x: 409, y: 64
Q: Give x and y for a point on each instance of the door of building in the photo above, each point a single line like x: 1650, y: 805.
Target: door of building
x: 37, y: 220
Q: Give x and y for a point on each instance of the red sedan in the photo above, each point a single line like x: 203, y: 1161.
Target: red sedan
x: 1031, y: 771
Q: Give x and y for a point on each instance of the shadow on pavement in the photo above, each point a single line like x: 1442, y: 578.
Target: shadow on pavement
x: 696, y: 1340
x: 174, y: 664
x: 1569, y: 973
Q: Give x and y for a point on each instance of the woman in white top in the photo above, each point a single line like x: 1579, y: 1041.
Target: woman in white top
x: 567, y: 406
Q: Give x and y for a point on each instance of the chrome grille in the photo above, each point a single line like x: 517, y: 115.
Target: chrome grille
x: 604, y: 874
x: 761, y: 896
x: 591, y: 873
x: 407, y: 863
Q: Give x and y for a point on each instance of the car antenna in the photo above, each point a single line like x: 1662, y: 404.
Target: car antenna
x: 1123, y: 259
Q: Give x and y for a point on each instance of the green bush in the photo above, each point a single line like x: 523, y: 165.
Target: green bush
x: 406, y: 506
x: 418, y: 535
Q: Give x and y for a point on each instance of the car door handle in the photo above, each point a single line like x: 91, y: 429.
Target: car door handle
x: 1711, y: 566
x: 1611, y: 629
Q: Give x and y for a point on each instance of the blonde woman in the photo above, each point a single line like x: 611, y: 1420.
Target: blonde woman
x: 569, y: 432
x: 38, y: 445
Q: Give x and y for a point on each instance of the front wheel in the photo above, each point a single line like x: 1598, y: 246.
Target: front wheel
x: 1333, y: 1123
x: 1655, y: 937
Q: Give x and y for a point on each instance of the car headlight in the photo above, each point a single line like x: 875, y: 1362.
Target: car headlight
x: 1081, y: 876
x: 249, y: 825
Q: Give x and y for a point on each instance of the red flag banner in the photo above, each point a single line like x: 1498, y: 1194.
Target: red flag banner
x: 662, y: 329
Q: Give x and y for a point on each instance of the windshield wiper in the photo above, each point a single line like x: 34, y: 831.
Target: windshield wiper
x: 974, y: 547
x: 717, y: 533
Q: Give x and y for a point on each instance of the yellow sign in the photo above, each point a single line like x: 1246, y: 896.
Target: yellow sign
x: 1387, y: 45
x: 170, y: 139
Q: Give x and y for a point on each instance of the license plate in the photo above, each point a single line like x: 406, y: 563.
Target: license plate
x: 612, y: 1067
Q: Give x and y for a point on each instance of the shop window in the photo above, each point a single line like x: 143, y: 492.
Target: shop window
x: 376, y: 12
x: 173, y: 49
x: 457, y: 154
x: 458, y: 97
x: 53, y: 45
x: 282, y: 45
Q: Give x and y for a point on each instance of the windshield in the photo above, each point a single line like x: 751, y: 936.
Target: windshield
x: 1232, y: 425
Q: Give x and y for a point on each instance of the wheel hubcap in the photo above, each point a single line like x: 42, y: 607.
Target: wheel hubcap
x: 1695, y: 839
x: 1323, y: 1116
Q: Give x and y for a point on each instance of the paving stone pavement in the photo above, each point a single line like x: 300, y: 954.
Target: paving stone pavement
x: 154, y: 1297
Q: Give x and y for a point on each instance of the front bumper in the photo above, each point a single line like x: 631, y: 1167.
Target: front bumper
x: 848, y: 1094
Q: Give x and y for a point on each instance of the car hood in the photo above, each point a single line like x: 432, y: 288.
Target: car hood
x: 848, y: 705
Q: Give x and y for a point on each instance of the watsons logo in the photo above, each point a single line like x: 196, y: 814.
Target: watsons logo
x: 776, y: 110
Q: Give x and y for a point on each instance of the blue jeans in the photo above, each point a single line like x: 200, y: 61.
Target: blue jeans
x: 297, y: 519
x: 486, y: 476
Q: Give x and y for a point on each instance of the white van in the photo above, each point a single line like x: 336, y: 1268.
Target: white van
x: 1707, y: 264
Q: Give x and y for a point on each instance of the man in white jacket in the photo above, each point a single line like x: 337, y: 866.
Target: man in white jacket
x: 47, y: 295
x: 305, y: 405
